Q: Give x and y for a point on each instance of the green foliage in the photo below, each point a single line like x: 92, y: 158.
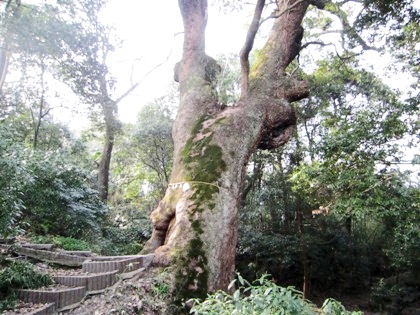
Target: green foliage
x: 354, y: 149
x: 60, y: 198
x: 22, y: 275
x: 381, y: 12
x: 153, y: 138
x: 142, y: 159
x: 333, y: 307
x: 228, y: 80
x: 259, y: 253
x: 124, y: 240
x: 382, y: 295
x: 14, y: 177
x: 351, y: 165
x: 394, y: 294
x: 19, y: 275
x: 45, y: 192
x: 87, y: 44
x: 338, y: 262
x: 31, y: 30
x: 161, y: 286
x: 262, y: 297
x: 66, y: 243
x: 404, y: 232
x: 351, y: 137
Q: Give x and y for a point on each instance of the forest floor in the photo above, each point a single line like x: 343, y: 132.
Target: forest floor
x: 140, y: 295
x: 147, y: 293
x: 143, y: 296
x: 361, y: 301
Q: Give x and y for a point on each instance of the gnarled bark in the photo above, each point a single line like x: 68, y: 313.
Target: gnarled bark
x: 195, y: 225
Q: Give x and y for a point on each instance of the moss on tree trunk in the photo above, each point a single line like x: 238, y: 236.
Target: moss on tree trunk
x: 195, y: 225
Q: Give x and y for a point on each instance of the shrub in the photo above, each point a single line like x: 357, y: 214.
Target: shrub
x: 60, y: 200
x: 14, y: 176
x: 19, y: 275
x: 333, y: 307
x: 47, y: 192
x: 381, y: 295
x: 337, y: 260
x: 66, y: 243
x: 70, y: 243
x: 121, y: 241
x: 263, y: 297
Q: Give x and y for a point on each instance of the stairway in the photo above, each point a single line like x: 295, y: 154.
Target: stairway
x: 96, y: 274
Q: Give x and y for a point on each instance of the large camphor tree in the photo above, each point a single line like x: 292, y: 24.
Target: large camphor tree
x: 195, y: 224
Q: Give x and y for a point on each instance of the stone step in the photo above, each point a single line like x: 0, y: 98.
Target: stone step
x: 9, y: 240
x: 94, y: 283
x: 102, y: 272
x: 38, y: 246
x: 113, y: 258
x: 52, y: 257
x: 123, y: 265
x: 131, y: 274
x: 48, y: 309
x: 45, y: 309
x: 64, y: 299
x: 105, y: 266
x: 81, y: 253
x: 4, y: 249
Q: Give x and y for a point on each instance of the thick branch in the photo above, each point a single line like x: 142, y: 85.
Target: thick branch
x: 194, y: 16
x: 129, y: 90
x: 320, y: 43
x: 276, y: 14
x: 282, y: 47
x: 348, y: 29
x: 249, y: 43
x: 135, y: 85
x: 320, y: 4
x: 4, y: 62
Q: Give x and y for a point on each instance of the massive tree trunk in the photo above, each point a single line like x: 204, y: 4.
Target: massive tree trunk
x: 195, y: 224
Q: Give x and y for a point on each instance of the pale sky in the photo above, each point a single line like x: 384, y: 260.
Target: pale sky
x: 152, y: 31
x: 151, y: 34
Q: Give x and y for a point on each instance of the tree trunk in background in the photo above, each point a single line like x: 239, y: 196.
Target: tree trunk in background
x: 195, y: 224
x: 4, y: 62
x: 103, y: 171
x: 109, y: 109
x: 42, y: 110
x: 5, y: 43
x: 303, y: 248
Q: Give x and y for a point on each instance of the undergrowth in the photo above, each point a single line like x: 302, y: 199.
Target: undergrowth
x: 66, y: 243
x: 18, y: 275
x: 263, y: 297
